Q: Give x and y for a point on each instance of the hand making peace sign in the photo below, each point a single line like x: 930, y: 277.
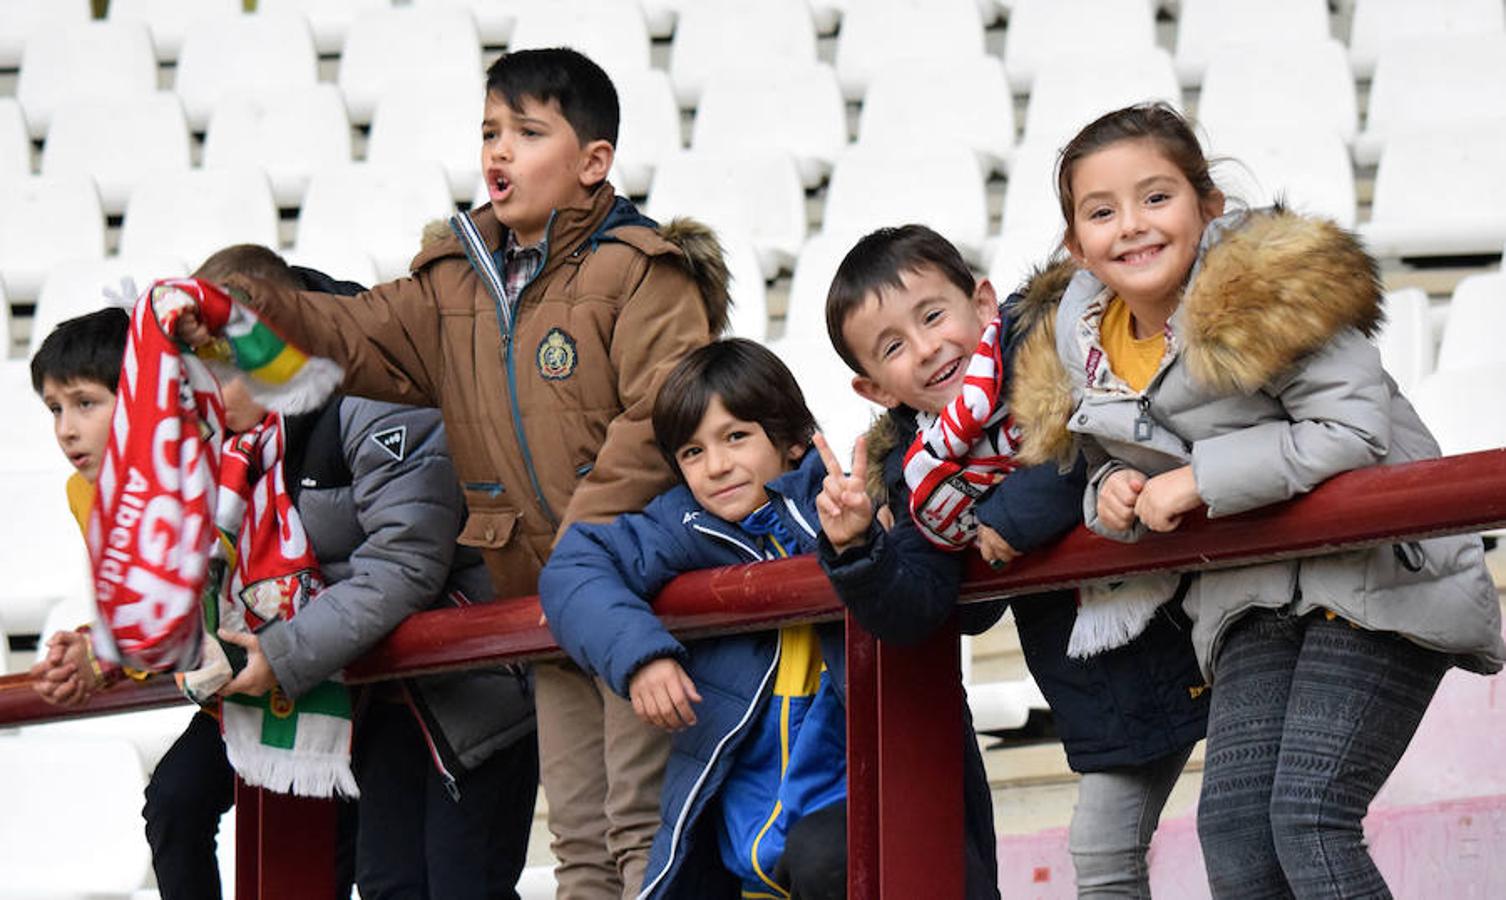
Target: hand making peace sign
x: 843, y: 504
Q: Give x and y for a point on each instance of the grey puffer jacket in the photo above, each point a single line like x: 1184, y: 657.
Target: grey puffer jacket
x: 1270, y: 385
x: 380, y: 501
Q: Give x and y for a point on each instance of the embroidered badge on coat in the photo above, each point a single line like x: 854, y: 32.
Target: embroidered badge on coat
x: 556, y: 355
x: 393, y: 440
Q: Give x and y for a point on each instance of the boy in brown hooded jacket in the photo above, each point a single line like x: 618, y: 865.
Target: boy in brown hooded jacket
x: 542, y: 329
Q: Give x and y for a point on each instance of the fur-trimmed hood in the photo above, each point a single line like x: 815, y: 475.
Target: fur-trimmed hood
x: 1270, y: 287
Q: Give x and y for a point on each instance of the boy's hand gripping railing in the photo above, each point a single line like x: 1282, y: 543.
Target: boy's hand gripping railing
x: 904, y: 773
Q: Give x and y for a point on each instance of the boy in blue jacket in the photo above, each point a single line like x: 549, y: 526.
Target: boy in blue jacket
x: 733, y: 423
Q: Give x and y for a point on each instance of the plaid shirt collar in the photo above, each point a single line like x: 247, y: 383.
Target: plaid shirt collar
x: 519, y: 265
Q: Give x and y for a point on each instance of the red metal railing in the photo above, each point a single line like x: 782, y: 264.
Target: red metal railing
x: 905, y: 826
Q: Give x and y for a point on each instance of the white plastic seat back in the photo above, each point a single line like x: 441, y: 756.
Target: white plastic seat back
x: 1428, y: 83
x: 381, y: 209
x: 330, y: 20
x: 878, y: 33
x: 344, y: 263
x: 755, y: 193
x: 494, y: 18
x: 713, y: 35
x: 75, y: 287
x: 99, y: 60
x: 1453, y: 405
x: 1041, y: 30
x: 1294, y: 85
x: 192, y: 214
x: 169, y: 20
x: 798, y: 109
x: 438, y: 47
x: 414, y: 124
x: 1378, y: 23
x: 47, y: 781
x: 1406, y: 339
x: 1031, y: 227
x: 1476, y: 324
x: 611, y: 32
x: 805, y: 315
x: 649, y: 130
x: 1068, y: 95
x: 15, y: 144
x: 749, y: 317
x: 942, y: 188
x: 1206, y: 27
x: 19, y: 18
x: 43, y: 221
x: 826, y: 382
x: 966, y: 101
x: 286, y: 133
x: 222, y: 57
x: 1440, y: 193
x: 147, y: 135
x: 1309, y: 170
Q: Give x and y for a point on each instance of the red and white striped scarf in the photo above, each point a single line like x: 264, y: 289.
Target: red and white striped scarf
x: 961, y: 453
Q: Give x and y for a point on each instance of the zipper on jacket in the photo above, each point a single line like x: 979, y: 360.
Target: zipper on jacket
x: 512, y: 385
x: 451, y: 786
x: 1145, y: 426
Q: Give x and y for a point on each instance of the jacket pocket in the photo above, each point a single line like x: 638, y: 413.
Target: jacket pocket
x: 487, y: 529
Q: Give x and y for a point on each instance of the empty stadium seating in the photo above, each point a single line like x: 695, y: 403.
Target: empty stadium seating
x: 1307, y: 169
x: 611, y: 32
x: 407, y: 45
x: 713, y: 35
x: 1295, y: 85
x: 1426, y: 83
x: 1378, y: 23
x: 650, y: 128
x: 45, y: 220
x: 1440, y: 192
x: 1206, y: 28
x: 190, y: 215
x: 797, y: 109
x: 288, y: 134
x: 380, y: 209
x: 330, y: 20
x: 1082, y: 30
x: 98, y: 60
x: 76, y: 286
x: 169, y: 21
x: 413, y: 124
x: 147, y: 134
x: 20, y: 18
x: 966, y: 101
x: 1068, y: 95
x: 878, y: 33
x: 941, y: 187
x: 755, y: 193
x: 222, y: 57
x: 15, y: 144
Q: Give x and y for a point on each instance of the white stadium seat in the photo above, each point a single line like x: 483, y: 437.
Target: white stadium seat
x: 43, y: 221
x: 749, y: 317
x: 169, y: 20
x: 1042, y: 30
x: 1308, y: 169
x: 1031, y: 227
x: 389, y: 46
x: 826, y: 382
x: 611, y: 32
x: 100, y: 60
x: 1296, y: 85
x: 713, y: 35
x: 287, y: 133
x: 226, y: 56
x: 1377, y: 23
x: 966, y: 101
x: 330, y: 20
x: 941, y: 187
x: 380, y: 209
x: 192, y: 214
x: 877, y: 33
x: 1426, y: 83
x: 494, y: 18
x: 1449, y: 402
x: 343, y: 263
x: 15, y: 143
x: 1441, y: 192
x: 805, y: 314
x: 649, y: 130
x: 1069, y: 95
x: 1476, y: 323
x: 414, y: 124
x: 1406, y: 339
x: 147, y: 134
x: 1206, y: 27
x: 797, y: 109
x: 75, y: 287
x: 752, y: 192
x: 19, y: 18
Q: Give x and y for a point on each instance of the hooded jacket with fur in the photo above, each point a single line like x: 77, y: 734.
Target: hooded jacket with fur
x: 547, y: 415
x: 1270, y: 385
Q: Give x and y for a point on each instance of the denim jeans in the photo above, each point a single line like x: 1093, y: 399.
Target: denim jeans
x: 1116, y: 814
x: 1308, y: 718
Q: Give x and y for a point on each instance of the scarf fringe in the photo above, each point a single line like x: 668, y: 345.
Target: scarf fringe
x: 1111, y: 615
x: 291, y: 771
x: 315, y: 382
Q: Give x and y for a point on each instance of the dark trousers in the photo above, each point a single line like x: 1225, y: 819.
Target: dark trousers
x: 415, y: 841
x: 1308, y: 718
x: 814, y: 863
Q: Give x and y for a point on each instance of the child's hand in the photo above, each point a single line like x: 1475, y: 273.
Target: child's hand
x: 662, y: 693
x: 843, y: 504
x: 64, y: 677
x: 996, y: 551
x: 191, y: 331
x: 257, y: 678
x: 1166, y: 497
x: 1117, y: 496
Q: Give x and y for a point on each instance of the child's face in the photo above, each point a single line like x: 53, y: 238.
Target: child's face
x: 533, y: 163
x: 1137, y: 221
x: 914, y: 342
x: 727, y: 462
x: 81, y: 412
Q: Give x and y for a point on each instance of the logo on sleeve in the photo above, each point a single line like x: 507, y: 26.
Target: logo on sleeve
x: 393, y: 440
x: 556, y: 355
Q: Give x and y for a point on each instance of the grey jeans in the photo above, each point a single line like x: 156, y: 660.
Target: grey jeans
x: 1116, y: 815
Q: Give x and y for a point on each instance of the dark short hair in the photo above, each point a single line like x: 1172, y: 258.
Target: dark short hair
x: 87, y: 347
x: 247, y: 259
x: 876, y: 262
x: 753, y: 384
x: 584, y: 92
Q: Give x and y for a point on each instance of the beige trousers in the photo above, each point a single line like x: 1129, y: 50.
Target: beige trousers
x: 601, y: 768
